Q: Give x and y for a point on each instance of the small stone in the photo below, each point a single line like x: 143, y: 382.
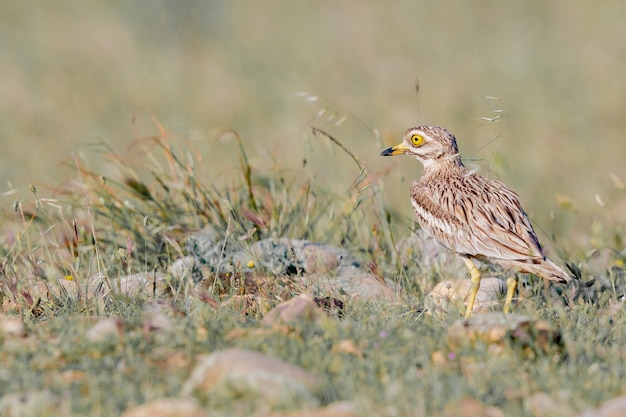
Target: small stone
x: 439, y: 358
x: 499, y: 330
x: 455, y: 292
x: 289, y: 256
x: 11, y: 327
x: 615, y: 407
x: 543, y: 405
x: 300, y: 308
x: 105, y: 329
x: 33, y: 403
x: 348, y: 346
x: 141, y: 284
x: 337, y: 409
x: 183, y: 268
x: 167, y: 407
x: 469, y: 407
x: 157, y: 322
x: 321, y: 258
x: 600, y: 260
x: 353, y: 282
x: 243, y: 371
x: 161, y: 306
x: 138, y: 284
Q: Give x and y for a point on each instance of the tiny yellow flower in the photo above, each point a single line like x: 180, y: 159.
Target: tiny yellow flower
x: 619, y: 263
x: 69, y: 277
x: 250, y: 264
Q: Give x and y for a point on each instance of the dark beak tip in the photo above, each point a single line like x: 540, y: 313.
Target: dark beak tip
x: 386, y: 152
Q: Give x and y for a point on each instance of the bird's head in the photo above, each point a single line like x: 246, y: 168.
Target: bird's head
x: 429, y: 144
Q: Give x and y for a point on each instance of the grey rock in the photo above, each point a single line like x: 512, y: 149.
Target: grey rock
x: 107, y: 329
x: 316, y: 265
x: 167, y: 407
x: 244, y: 372
x: 456, y: 291
x: 302, y: 307
x: 33, y: 404
x: 615, y: 407
x: 11, y: 327
x: 498, y: 330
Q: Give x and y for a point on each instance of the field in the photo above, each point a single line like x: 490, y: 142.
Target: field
x: 128, y: 130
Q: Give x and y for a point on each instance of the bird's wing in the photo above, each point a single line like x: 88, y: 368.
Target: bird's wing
x: 479, y: 217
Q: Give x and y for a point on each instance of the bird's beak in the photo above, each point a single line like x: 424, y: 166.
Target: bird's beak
x: 396, y: 150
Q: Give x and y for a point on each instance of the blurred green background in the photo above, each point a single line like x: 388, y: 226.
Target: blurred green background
x: 73, y: 73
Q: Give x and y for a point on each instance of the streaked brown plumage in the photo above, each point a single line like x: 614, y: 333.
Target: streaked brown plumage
x: 475, y: 216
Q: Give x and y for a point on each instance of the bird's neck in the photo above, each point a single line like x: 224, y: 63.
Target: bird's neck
x: 450, y: 164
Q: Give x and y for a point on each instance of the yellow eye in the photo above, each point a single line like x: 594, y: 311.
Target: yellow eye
x: 417, y: 140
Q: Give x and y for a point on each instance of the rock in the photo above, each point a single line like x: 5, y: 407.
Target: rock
x: 541, y: 404
x: 469, y: 407
x: 348, y: 346
x: 335, y: 269
x: 353, y: 282
x: 108, y: 329
x: 243, y: 372
x: 12, y: 327
x: 33, y: 404
x: 161, y: 306
x: 213, y: 249
x: 455, y: 292
x: 167, y: 407
x: 323, y: 259
x: 282, y: 256
x: 289, y: 256
x: 337, y: 409
x: 141, y: 284
x: 601, y: 260
x: 499, y: 330
x: 185, y: 268
x: 300, y: 308
x: 157, y: 323
x: 615, y: 407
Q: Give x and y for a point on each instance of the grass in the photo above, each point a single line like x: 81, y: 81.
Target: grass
x: 77, y: 72
x: 104, y: 228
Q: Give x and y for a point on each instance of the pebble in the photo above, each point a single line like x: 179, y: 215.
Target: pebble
x: 353, y: 282
x: 140, y: 284
x: 470, y: 407
x: 541, y: 404
x: 11, y: 327
x: 184, y: 268
x: 106, y: 329
x: 167, y: 407
x: 318, y: 266
x: 498, y: 330
x: 31, y: 403
x: 337, y: 409
x: 300, y: 308
x: 249, y: 372
x: 615, y: 407
x: 455, y: 292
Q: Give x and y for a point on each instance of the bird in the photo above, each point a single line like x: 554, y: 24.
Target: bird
x: 477, y: 217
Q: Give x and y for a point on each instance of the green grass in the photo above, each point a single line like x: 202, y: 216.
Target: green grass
x: 138, y: 221
x: 75, y: 73
x: 87, y: 87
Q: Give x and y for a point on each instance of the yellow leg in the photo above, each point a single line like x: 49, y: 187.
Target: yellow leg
x: 475, y: 276
x: 511, y: 284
